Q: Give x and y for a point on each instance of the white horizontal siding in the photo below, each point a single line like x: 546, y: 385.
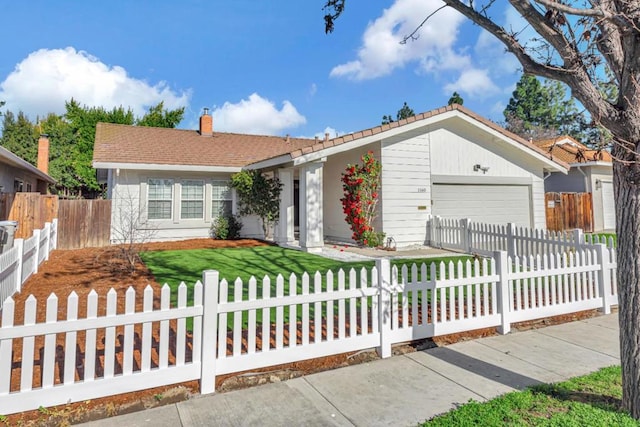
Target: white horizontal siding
x: 406, y: 189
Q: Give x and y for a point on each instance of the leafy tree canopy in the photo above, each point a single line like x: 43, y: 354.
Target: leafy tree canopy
x: 72, y: 137
x: 258, y: 195
x: 158, y: 116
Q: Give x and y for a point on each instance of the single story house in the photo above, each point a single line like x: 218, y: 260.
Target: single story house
x: 449, y: 162
x: 591, y: 171
x: 18, y: 175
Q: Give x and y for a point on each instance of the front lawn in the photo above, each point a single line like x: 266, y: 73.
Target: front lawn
x: 591, y: 400
x: 173, y: 267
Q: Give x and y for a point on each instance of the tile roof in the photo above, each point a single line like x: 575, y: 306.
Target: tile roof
x: 569, y: 150
x: 147, y: 145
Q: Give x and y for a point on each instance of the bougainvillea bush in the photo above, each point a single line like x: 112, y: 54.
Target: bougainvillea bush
x: 361, y: 186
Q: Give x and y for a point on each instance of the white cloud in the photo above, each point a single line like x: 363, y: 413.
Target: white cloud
x: 381, y: 51
x: 313, y: 89
x: 256, y: 115
x: 475, y: 83
x: 44, y: 80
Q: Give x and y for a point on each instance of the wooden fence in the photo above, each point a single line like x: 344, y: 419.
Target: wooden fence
x: 566, y: 211
x: 31, y: 210
x: 240, y: 326
x: 84, y: 223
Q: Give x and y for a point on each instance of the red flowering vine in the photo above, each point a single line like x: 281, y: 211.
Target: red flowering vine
x: 361, y: 186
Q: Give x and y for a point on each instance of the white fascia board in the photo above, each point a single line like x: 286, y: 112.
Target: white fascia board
x: 596, y: 163
x: 551, y: 166
x: 163, y: 167
x: 282, y: 161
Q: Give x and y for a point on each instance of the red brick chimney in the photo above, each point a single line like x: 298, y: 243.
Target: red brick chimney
x: 43, y: 153
x: 206, y: 123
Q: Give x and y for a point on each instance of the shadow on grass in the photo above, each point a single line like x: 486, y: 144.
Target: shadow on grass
x: 601, y: 401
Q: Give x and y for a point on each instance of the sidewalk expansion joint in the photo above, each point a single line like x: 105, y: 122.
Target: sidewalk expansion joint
x: 447, y: 378
x: 329, y: 402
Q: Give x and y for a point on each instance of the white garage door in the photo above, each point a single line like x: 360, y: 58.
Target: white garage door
x: 494, y: 204
x: 608, y: 207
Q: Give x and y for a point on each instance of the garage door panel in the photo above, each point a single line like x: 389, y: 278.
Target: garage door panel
x: 496, y: 204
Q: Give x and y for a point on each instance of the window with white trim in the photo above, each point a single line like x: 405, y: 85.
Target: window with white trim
x: 221, y: 199
x: 160, y: 198
x: 192, y: 199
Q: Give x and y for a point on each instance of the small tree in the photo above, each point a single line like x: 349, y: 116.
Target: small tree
x: 455, y: 99
x: 131, y: 230
x: 361, y: 185
x: 258, y: 195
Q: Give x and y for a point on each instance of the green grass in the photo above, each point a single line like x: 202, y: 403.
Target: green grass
x: 591, y: 400
x: 173, y: 267
x: 606, y: 236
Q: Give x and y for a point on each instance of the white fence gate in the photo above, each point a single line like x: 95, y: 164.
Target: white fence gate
x: 23, y: 259
x: 238, y: 326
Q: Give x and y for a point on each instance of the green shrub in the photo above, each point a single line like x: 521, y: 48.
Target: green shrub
x: 226, y: 228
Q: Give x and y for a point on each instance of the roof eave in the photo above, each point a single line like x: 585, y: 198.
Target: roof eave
x: 21, y: 163
x: 282, y: 161
x: 596, y: 163
x: 165, y: 167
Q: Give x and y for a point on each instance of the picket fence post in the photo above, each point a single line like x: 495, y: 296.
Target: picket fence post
x: 19, y: 245
x: 37, y: 253
x: 578, y: 238
x: 465, y: 234
x: 210, y: 280
x: 383, y: 265
x: 437, y: 221
x: 604, y: 277
x: 504, y: 302
x: 511, y: 239
x: 54, y: 229
x: 47, y: 246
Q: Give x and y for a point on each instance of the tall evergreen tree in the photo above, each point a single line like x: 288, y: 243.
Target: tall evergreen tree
x: 404, y: 112
x: 83, y: 120
x: 158, y: 116
x: 20, y: 136
x: 455, y: 99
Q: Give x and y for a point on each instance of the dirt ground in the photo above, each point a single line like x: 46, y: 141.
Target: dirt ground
x: 100, y: 269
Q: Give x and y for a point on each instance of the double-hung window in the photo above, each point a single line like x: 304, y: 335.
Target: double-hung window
x: 192, y: 202
x: 221, y: 199
x: 160, y: 197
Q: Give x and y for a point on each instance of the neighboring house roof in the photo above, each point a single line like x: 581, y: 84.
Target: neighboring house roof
x: 569, y: 150
x: 366, y: 136
x: 133, y: 146
x: 8, y: 158
x: 161, y: 148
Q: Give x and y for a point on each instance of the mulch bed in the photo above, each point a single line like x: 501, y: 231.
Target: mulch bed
x: 100, y: 269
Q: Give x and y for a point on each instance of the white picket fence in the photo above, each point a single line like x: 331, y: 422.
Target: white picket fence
x: 483, y: 239
x: 243, y: 326
x: 22, y: 260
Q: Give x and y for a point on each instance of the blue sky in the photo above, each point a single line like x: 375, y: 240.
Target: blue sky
x: 261, y: 67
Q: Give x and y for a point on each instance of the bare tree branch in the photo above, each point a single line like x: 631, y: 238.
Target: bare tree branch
x: 413, y: 33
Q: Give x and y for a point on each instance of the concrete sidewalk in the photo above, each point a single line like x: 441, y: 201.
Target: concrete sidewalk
x: 403, y: 390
